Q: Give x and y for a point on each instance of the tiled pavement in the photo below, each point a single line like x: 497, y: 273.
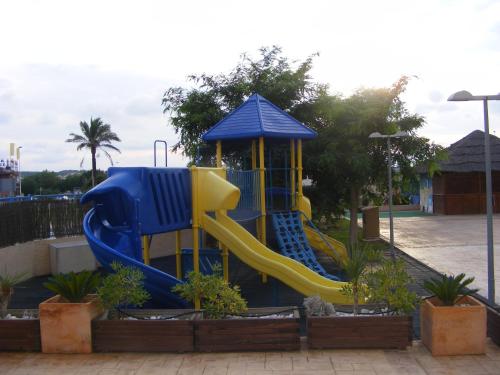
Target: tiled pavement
x: 416, y: 360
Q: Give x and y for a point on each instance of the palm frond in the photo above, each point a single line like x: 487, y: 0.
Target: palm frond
x: 449, y: 289
x: 107, y: 145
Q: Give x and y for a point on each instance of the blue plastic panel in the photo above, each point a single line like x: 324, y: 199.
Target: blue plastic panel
x: 258, y: 117
x: 293, y: 242
x: 144, y: 200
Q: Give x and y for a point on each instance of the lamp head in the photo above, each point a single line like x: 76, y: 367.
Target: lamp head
x: 375, y: 135
x: 461, y: 96
x: 401, y: 134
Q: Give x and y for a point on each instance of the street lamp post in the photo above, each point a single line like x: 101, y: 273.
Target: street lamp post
x: 465, y: 96
x: 19, y: 169
x: 399, y: 134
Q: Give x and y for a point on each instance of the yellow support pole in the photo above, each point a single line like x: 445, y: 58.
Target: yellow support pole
x: 262, y: 191
x: 178, y: 258
x: 292, y: 172
x: 225, y: 251
x: 196, y: 227
x: 218, y: 154
x: 145, y: 249
x: 299, y: 171
x: 262, y: 198
x: 254, y: 155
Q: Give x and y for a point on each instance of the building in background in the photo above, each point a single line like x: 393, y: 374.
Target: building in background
x: 459, y: 188
x: 10, y: 177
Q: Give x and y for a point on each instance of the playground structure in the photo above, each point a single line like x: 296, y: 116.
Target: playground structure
x: 134, y: 204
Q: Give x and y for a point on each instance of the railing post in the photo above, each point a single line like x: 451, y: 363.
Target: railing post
x: 196, y: 228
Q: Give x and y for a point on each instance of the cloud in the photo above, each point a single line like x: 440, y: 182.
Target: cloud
x: 55, y: 98
x: 4, y: 118
x: 435, y: 96
x: 144, y: 106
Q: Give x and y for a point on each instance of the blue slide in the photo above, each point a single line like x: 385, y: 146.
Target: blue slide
x: 131, y: 203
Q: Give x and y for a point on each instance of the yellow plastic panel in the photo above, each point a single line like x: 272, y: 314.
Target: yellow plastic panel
x: 214, y: 192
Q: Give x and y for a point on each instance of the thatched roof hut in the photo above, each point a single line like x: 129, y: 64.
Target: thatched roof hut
x: 467, y: 154
x: 459, y: 187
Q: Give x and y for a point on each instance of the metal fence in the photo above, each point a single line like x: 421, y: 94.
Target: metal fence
x: 24, y: 221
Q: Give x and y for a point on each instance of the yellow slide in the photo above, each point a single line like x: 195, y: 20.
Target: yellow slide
x: 247, y: 248
x: 333, y: 248
x: 317, y: 241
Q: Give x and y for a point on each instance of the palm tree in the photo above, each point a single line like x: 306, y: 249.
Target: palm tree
x: 96, y: 136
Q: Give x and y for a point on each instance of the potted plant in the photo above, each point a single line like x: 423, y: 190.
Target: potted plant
x: 20, y: 328
x: 493, y: 318
x: 7, y: 284
x: 384, y: 321
x: 452, y: 321
x: 65, y: 319
x: 133, y: 330
x: 228, y: 325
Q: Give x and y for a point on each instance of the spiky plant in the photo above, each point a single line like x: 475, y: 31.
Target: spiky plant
x: 7, y: 290
x: 450, y: 289
x: 74, y: 287
x: 355, y: 267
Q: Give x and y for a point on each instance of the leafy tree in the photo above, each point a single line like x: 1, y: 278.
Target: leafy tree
x: 96, y: 136
x: 50, y: 183
x: 44, y: 182
x: 194, y: 110
x: 343, y: 159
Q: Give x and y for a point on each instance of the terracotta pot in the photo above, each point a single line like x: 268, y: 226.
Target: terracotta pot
x: 66, y: 327
x: 453, y: 330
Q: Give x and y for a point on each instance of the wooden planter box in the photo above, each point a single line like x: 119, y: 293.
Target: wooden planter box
x: 493, y: 317
x: 66, y: 327
x: 453, y: 330
x: 20, y: 334
x: 145, y: 335
x: 248, y: 334
x: 381, y: 332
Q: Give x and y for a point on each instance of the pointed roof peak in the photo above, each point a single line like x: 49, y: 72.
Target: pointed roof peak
x: 258, y: 117
x: 467, y: 154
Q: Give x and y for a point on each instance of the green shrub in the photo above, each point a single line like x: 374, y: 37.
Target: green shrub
x: 217, y: 297
x: 73, y: 287
x: 389, y: 285
x: 124, y: 287
x: 449, y: 289
x: 7, y: 290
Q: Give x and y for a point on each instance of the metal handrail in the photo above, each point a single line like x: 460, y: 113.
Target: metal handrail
x: 166, y: 150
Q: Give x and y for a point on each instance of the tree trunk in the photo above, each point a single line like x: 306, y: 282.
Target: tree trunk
x: 355, y: 297
x: 353, y: 215
x: 5, y: 297
x: 94, y: 165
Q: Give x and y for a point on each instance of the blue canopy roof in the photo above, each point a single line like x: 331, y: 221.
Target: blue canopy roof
x: 258, y: 117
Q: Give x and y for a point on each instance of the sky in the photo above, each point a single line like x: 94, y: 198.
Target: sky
x: 62, y: 62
